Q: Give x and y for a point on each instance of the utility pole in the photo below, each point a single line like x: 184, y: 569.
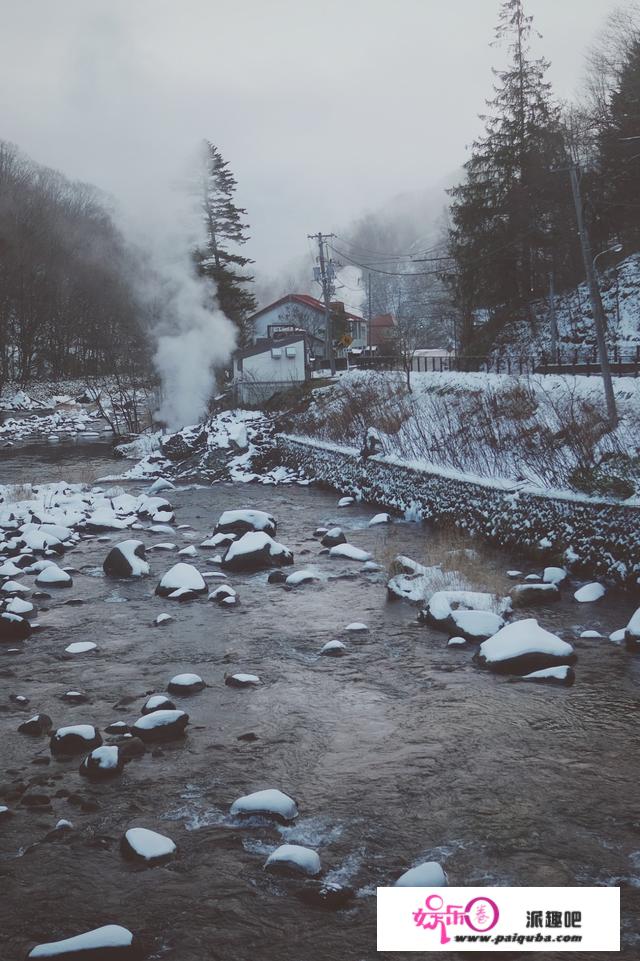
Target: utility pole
x: 594, y: 295
x: 370, y: 315
x: 325, y: 280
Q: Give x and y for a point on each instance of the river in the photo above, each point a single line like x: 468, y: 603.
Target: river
x: 400, y: 752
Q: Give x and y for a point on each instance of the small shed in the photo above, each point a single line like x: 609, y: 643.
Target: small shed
x: 431, y: 360
x: 269, y: 366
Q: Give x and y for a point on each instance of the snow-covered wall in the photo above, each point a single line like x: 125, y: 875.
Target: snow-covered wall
x: 596, y: 537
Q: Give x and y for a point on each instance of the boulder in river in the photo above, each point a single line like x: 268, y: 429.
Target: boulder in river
x: 161, y: 725
x: 590, y: 593
x: 531, y: 595
x: 294, y: 858
x: 563, y: 676
x: 632, y: 633
x: 13, y: 627
x: 326, y: 894
x: 147, y: 847
x: 54, y: 576
x: 37, y: 725
x: 255, y: 551
x: 429, y: 874
x: 241, y: 521
x: 349, y: 552
x: 75, y: 739
x: 185, y: 684
x: 126, y: 559
x: 523, y: 647
x: 157, y: 702
x: 109, y: 943
x: 270, y: 803
x: 225, y: 596
x: 333, y: 537
x: 102, y: 763
x: 333, y: 649
x: 181, y: 578
x: 242, y: 680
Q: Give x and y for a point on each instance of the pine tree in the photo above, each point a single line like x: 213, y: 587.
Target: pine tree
x: 506, y: 224
x: 225, y: 231
x: 619, y: 155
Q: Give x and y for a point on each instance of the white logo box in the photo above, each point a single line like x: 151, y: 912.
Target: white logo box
x: 499, y: 919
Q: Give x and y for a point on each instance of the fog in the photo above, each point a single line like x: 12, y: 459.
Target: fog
x: 323, y: 112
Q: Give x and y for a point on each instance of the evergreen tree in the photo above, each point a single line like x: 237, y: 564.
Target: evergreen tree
x: 619, y: 155
x: 507, y: 222
x: 226, y: 231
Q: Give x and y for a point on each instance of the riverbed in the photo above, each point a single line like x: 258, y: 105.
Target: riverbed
x: 400, y: 752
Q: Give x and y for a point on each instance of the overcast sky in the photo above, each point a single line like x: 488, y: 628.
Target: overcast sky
x: 324, y: 110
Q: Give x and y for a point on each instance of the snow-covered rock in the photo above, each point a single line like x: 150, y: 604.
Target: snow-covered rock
x: 380, y: 519
x: 242, y: 521
x: 148, y: 846
x: 562, y: 675
x: 36, y: 726
x: 14, y: 589
x: 54, y: 576
x: 157, y: 702
x: 102, y: 763
x: 126, y: 559
x: 333, y: 537
x: 357, y: 627
x: 218, y: 540
x: 269, y: 803
x: 185, y: 684
x: 523, y: 647
x: 162, y: 619
x: 427, y: 875
x: 294, y: 858
x: 225, y: 596
x: 181, y: 577
x: 161, y: 484
x: 81, y: 647
x: 554, y: 575
x: 333, y: 649
x: 161, y: 725
x: 476, y: 625
x: 75, y: 739
x: 242, y: 680
x: 301, y: 577
x: 590, y: 593
x: 109, y: 943
x: 13, y: 627
x: 530, y: 595
x: 590, y: 634
x: 106, y: 520
x: 350, y: 552
x: 632, y: 633
x: 189, y: 551
x: 456, y: 642
x: 18, y: 606
x: 346, y: 501
x: 255, y: 551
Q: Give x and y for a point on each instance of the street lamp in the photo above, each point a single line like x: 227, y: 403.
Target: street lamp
x: 616, y: 249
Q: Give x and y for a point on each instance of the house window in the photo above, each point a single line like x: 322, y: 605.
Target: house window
x: 276, y: 352
x: 291, y: 352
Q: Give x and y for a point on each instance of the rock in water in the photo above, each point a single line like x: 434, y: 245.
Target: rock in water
x: 161, y: 484
x: 225, y: 596
x: 36, y: 725
x: 632, y: 633
x: 529, y: 595
x: 54, y: 576
x: 109, y: 943
x: 141, y: 844
x: 81, y: 647
x: 326, y: 894
x: 333, y: 537
x: 161, y: 725
x: 346, y: 501
x: 157, y: 702
x: 102, y: 763
x: 185, y: 684
x: 242, y: 521
x: 380, y: 519
x: 242, y: 680
x: 255, y: 551
x: 75, y: 739
x: 427, y: 875
x: 333, y: 649
x: 349, y: 552
x: 294, y: 858
x: 476, y: 625
x: 13, y: 627
x: 523, y: 647
x: 270, y: 803
x: 181, y: 577
x: 554, y: 575
x: 590, y: 593
x: 126, y: 559
x: 564, y: 676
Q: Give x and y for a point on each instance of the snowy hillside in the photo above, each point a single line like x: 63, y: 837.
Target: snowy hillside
x: 620, y: 289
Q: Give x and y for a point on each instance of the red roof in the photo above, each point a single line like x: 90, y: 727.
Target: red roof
x: 305, y: 299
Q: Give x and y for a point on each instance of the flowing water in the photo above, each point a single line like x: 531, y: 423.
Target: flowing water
x: 400, y: 752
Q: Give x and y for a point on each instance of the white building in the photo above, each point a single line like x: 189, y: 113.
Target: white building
x: 297, y: 312
x: 270, y: 366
